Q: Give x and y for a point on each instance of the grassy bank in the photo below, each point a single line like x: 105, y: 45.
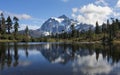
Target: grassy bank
x: 8, y: 41
x: 70, y: 40
x: 116, y: 41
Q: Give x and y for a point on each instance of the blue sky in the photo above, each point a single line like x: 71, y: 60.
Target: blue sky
x: 34, y: 12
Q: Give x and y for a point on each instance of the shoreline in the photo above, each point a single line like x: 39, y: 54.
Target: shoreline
x: 8, y: 41
x: 65, y: 41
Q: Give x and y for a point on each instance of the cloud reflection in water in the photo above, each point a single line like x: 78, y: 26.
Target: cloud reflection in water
x: 89, y: 65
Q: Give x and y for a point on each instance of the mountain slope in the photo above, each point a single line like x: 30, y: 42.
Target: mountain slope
x: 57, y: 25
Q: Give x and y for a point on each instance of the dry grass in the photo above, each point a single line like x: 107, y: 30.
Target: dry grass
x: 8, y: 41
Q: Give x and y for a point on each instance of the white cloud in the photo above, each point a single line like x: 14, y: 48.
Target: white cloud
x: 37, y: 21
x: 89, y: 65
x: 33, y: 23
x: 23, y: 16
x: 91, y: 13
x: 25, y: 20
x: 20, y: 16
x: 30, y: 26
x: 1, y: 11
x: 73, y: 15
x: 101, y: 2
x: 24, y: 63
x: 118, y: 4
x: 74, y: 10
x: 116, y: 14
x: 91, y: 8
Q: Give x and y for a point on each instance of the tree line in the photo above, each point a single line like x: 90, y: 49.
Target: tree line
x: 110, y: 31
x: 106, y: 32
x: 6, y: 25
x: 9, y: 28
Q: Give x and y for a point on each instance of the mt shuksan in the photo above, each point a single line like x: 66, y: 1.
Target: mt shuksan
x: 57, y: 25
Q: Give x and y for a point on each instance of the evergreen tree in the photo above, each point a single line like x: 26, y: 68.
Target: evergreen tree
x: 114, y: 27
x: 107, y: 26
x: 27, y: 37
x: 97, y: 28
x: 90, y: 33
x: 104, y: 30
x: 27, y: 31
x: 78, y: 33
x: 117, y: 24
x: 109, y: 31
x: 16, y: 25
x: 63, y: 32
x: 2, y: 24
x: 9, y: 24
x: 74, y: 31
x: 72, y: 28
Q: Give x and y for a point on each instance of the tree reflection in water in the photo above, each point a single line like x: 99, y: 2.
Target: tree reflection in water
x: 9, y: 54
x: 68, y: 52
x: 16, y: 56
x: 85, y: 58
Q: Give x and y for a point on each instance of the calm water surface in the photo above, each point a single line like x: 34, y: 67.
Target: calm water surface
x: 59, y: 59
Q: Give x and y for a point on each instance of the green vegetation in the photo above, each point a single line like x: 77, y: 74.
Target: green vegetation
x: 106, y: 33
x: 9, y: 30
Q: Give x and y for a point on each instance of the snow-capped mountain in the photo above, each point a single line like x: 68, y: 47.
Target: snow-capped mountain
x: 56, y: 25
x: 59, y: 24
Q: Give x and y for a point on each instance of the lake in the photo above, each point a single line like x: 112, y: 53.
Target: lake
x: 59, y: 59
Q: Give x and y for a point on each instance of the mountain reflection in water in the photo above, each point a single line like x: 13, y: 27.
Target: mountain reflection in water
x: 72, y: 59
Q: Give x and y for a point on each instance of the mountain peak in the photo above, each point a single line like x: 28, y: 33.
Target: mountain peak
x: 63, y: 16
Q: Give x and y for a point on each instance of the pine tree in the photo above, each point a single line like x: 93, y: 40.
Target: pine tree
x: 72, y: 28
x: 104, y: 30
x: 90, y: 33
x: 74, y: 31
x: 9, y: 24
x: 117, y: 25
x: 107, y: 26
x: 109, y: 31
x: 114, y: 27
x: 97, y: 28
x: 27, y: 31
x: 16, y: 25
x: 2, y: 24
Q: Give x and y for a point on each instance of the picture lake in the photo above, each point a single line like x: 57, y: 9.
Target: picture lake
x: 59, y: 59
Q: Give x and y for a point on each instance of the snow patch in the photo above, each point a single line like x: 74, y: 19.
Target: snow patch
x: 46, y: 33
x: 58, y: 19
x: 58, y: 60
